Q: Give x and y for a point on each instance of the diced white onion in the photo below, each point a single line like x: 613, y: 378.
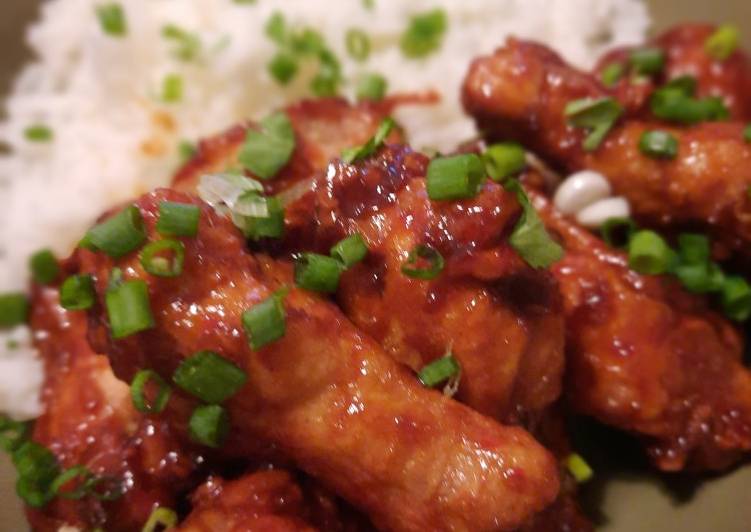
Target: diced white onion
x: 599, y: 212
x: 225, y: 188
x: 251, y: 203
x: 579, y: 190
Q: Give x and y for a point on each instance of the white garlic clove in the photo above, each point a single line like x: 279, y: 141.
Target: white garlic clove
x: 601, y: 211
x: 580, y: 190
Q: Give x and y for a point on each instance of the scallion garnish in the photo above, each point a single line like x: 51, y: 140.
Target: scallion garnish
x: 693, y: 248
x: 172, y: 88
x: 82, y: 477
x: 371, y: 87
x: 257, y: 227
x: 647, y: 61
x: 44, y: 267
x: 612, y: 74
x: 265, y: 152
x: 186, y: 150
x: 326, y: 81
x: 317, y: 273
x: 358, y: 153
x: 210, y: 377
x: 747, y: 133
x: 504, y: 160
x: 178, y: 219
x: 265, y: 322
x: 209, y: 425
x: 423, y: 262
x: 597, y: 115
x: 13, y: 433
x: 283, y: 67
x: 617, y: 232
x: 358, y: 44
x: 530, y: 238
x: 37, y: 468
x: 649, y: 253
x: 77, y: 292
x: 160, y: 519
x: 684, y: 83
x: 350, y: 250
x: 658, y: 144
x: 112, y: 19
x: 579, y: 468
x: 675, y: 105
x: 736, y: 298
x: 38, y: 133
x: 138, y: 392
x: 438, y: 371
x: 723, y: 42
x: 128, y: 308
x: 118, y: 235
x: 187, y: 44
x: 163, y: 258
x: 14, y: 309
x: 424, y: 34
x: 455, y: 177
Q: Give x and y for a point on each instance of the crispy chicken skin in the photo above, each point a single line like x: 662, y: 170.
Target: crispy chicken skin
x: 501, y: 319
x: 326, y: 395
x: 521, y: 91
x: 89, y: 419
x: 645, y: 356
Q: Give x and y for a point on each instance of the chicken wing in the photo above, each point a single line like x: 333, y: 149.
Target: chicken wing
x: 89, y: 419
x: 521, y: 92
x: 325, y: 394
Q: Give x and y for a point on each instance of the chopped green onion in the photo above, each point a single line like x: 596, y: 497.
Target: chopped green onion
x: 78, y: 472
x: 270, y: 226
x: 283, y: 67
x: 77, y: 292
x: 172, y: 88
x: 612, y: 74
x: 423, y: 262
x: 504, y: 160
x: 579, y: 468
x: 38, y: 133
x: 209, y: 425
x: 455, y: 177
x: 187, y: 45
x: 163, y: 258
x: 178, y: 219
x: 44, y: 267
x: 685, y: 84
x: 368, y: 4
x: 128, y: 308
x: 37, y: 468
x: 371, y: 87
x: 138, y: 392
x: 112, y: 19
x: 438, y: 371
x: 617, y: 232
x: 700, y: 278
x: 530, y: 238
x: 350, y: 250
x: 647, y: 61
x: 265, y: 322
x: 658, y: 144
x: 673, y: 104
x: 318, y: 273
x: 358, y: 44
x: 13, y: 433
x: 14, y: 309
x: 597, y: 115
x: 359, y: 153
x: 424, y: 34
x: 326, y: 81
x: 210, y: 377
x: 266, y: 152
x: 747, y: 133
x: 693, y: 248
x: 648, y: 253
x: 186, y: 150
x: 118, y: 235
x: 723, y: 42
x: 736, y: 298
x: 276, y: 28
x: 161, y: 519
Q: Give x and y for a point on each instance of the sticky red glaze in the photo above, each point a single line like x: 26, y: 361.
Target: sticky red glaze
x: 521, y: 91
x: 327, y: 396
x: 89, y: 419
x: 647, y: 357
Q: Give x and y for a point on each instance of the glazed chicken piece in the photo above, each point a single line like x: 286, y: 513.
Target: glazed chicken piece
x: 326, y: 395
x: 265, y: 501
x: 89, y: 419
x: 521, y: 91
x: 645, y: 356
x: 500, y: 317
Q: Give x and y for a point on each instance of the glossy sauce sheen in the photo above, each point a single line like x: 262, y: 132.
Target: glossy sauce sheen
x: 326, y: 395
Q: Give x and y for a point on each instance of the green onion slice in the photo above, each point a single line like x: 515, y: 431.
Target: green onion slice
x: 455, y: 177
x: 178, y: 219
x: 723, y: 42
x: 161, y: 519
x: 358, y: 44
x: 14, y: 309
x: 267, y: 151
x: 350, y: 250
x: 77, y: 292
x: 579, y: 468
x: 112, y: 19
x: 163, y: 258
x: 187, y: 44
x: 44, y: 267
x: 37, y: 468
x: 38, y: 133
x: 265, y: 322
x: 257, y: 227
x: 371, y: 87
x: 359, y: 153
x: 423, y: 262
x: 13, y: 433
x: 186, y: 150
x: 598, y: 115
x: 283, y: 67
x: 685, y: 83
x: 658, y: 144
x: 504, y: 160
x: 675, y: 105
x: 424, y: 34
x: 647, y: 61
x: 78, y: 473
x: 128, y: 308
x: 326, y: 81
x: 118, y: 235
x: 612, y: 74
x: 693, y: 248
x: 210, y: 377
x: 648, y: 253
x: 172, y: 88
x: 438, y: 371
x: 138, y: 392
x: 317, y: 273
x: 747, y: 133
x: 209, y: 425
x: 736, y: 298
x: 617, y: 232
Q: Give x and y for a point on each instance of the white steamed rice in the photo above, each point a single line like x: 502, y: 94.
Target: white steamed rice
x: 98, y: 95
